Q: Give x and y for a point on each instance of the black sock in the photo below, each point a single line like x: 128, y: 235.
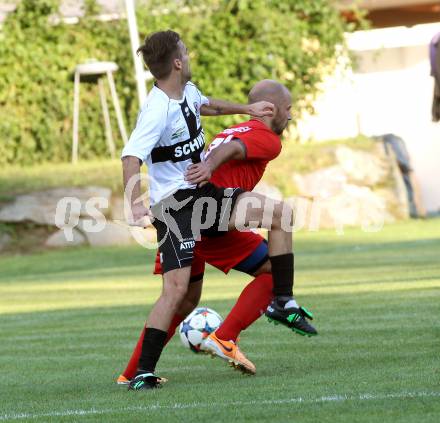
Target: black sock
x: 152, y: 346
x: 282, y: 273
x: 283, y: 300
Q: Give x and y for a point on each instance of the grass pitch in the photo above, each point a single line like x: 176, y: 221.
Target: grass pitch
x: 69, y: 319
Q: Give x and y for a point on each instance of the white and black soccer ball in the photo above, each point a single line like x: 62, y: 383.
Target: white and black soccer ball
x: 197, y: 326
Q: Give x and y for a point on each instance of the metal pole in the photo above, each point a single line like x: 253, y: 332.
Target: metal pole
x: 121, y: 125
x: 75, y: 117
x: 134, y: 39
x: 108, y: 127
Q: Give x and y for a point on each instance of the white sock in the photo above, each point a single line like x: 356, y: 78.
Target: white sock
x: 291, y: 303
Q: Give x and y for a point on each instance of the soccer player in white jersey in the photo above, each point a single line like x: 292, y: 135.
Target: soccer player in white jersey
x: 169, y: 138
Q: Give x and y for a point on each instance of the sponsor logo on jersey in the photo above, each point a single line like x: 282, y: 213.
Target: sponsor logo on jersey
x: 190, y: 146
x: 181, y: 150
x: 178, y: 133
x: 240, y: 129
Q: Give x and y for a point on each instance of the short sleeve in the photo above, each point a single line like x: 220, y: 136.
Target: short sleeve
x: 203, y: 99
x: 149, y: 127
x: 196, y: 95
x: 260, y: 145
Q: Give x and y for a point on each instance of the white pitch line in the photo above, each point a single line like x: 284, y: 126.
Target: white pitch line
x: 182, y: 406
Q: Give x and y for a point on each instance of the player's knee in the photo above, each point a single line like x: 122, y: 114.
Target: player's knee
x: 180, y: 291
x: 277, y: 215
x: 175, y: 289
x: 283, y: 215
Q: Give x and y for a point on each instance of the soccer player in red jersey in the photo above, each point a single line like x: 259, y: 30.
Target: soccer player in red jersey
x: 238, y: 158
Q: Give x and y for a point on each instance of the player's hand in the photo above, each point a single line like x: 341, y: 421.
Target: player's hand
x: 198, y: 173
x: 261, y: 109
x: 140, y: 216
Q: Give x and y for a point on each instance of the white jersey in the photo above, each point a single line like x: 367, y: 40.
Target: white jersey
x: 168, y: 137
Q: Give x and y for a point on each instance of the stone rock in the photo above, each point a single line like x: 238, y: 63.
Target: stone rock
x: 60, y: 240
x: 117, y: 208
x: 40, y: 207
x: 270, y: 191
x: 147, y: 238
x: 117, y: 211
x: 353, y: 206
x: 301, y: 207
x: 103, y: 233
x: 5, y: 240
x: 363, y: 189
x: 107, y: 233
x: 321, y: 183
x: 397, y: 193
x: 361, y: 167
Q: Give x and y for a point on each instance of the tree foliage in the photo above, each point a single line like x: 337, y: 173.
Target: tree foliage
x: 233, y: 44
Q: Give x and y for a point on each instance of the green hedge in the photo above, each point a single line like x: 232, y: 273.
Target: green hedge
x: 233, y: 44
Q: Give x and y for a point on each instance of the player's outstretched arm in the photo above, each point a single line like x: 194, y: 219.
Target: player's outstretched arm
x: 220, y: 107
x: 200, y: 173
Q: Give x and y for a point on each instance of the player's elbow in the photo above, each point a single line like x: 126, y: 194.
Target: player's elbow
x: 238, y: 150
x: 130, y: 160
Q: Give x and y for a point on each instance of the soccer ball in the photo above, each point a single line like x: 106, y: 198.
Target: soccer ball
x: 197, y: 326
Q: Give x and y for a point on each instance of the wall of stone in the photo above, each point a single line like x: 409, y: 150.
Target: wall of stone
x: 357, y: 187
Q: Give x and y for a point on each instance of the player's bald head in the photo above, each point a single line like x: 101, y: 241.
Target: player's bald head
x: 279, y: 96
x: 268, y: 90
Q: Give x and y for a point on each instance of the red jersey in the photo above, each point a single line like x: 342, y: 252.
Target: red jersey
x: 262, y: 145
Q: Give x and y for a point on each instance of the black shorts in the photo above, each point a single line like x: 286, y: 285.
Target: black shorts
x: 181, y: 218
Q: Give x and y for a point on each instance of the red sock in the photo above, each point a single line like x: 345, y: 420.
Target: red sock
x: 131, y: 369
x: 251, y: 304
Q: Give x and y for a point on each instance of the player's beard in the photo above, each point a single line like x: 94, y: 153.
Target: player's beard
x: 278, y: 126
